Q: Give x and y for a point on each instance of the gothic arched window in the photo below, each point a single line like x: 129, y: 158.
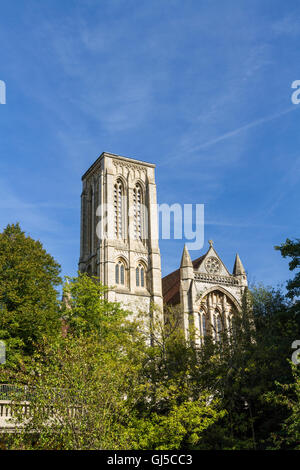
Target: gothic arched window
x: 232, y: 325
x: 204, y: 329
x: 119, y: 209
x: 140, y: 275
x: 202, y: 324
x: 120, y: 273
x: 229, y: 322
x: 138, y: 212
x: 90, y: 220
x: 217, y: 325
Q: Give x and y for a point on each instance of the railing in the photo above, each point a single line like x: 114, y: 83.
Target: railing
x: 8, y: 422
x: 216, y: 278
x: 16, y: 398
x: 9, y: 391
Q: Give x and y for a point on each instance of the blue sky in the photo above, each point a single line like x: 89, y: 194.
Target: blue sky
x: 201, y: 88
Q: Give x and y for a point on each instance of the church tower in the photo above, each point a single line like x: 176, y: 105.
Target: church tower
x: 119, y: 230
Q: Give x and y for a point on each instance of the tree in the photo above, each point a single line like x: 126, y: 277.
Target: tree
x: 28, y: 298
x: 291, y: 427
x: 84, y: 383
x: 82, y: 393
x: 291, y: 249
x: 86, y: 309
x: 179, y: 408
x: 244, y: 367
x: 182, y: 427
x: 98, y: 385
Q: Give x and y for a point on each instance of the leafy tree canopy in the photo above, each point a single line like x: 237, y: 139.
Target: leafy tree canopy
x: 291, y: 249
x: 28, y: 298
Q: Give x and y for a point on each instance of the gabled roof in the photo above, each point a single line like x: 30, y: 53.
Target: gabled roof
x: 212, y: 252
x: 171, y: 284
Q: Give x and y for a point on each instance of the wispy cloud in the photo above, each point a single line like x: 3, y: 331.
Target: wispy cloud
x: 242, y: 224
x: 181, y: 86
x: 288, y: 25
x: 231, y: 134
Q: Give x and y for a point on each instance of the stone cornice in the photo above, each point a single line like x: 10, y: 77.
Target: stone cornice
x: 215, y: 278
x: 131, y: 161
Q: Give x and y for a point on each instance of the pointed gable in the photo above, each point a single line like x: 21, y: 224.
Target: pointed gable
x: 211, y: 263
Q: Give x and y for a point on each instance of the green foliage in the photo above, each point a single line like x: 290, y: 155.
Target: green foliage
x: 291, y: 427
x: 242, y: 368
x: 28, y: 299
x: 102, y: 386
x: 162, y: 394
x: 108, y: 382
x: 85, y: 384
x: 247, y: 371
x: 83, y: 393
x: 181, y: 428
x: 178, y: 408
x: 291, y: 249
x: 86, y: 309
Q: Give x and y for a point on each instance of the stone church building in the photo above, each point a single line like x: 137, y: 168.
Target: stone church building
x: 119, y: 244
